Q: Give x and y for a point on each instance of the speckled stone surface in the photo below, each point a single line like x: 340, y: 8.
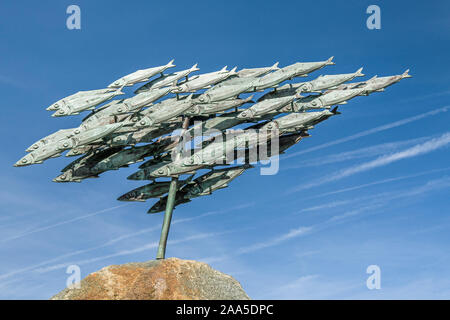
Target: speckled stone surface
x: 169, y: 279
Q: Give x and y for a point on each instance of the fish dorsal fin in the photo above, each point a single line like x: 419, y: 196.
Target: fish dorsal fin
x: 406, y: 74
x: 194, y: 67
x: 170, y: 64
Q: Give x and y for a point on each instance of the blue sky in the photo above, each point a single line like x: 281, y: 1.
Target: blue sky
x: 371, y: 186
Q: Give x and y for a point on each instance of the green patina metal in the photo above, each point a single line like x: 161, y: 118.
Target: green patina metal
x: 167, y: 219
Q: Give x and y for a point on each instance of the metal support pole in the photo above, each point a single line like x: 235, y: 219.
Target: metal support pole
x: 167, y: 219
x: 161, y: 254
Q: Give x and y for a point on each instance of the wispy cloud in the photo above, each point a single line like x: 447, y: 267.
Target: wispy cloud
x: 383, y: 181
x: 366, y: 152
x: 61, y: 223
x: 129, y: 251
x: 354, y: 212
x: 126, y: 236
x: 216, y: 212
x: 328, y: 205
x: 312, y: 286
x: 379, y: 199
x: 382, y: 199
x: 118, y: 239
x: 77, y: 252
x: 294, y: 233
x: 315, y: 286
x: 372, y: 131
x: 39, y: 268
x: 419, y: 149
x: 368, y: 204
x: 427, y: 96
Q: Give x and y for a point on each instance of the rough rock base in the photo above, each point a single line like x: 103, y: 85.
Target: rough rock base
x: 169, y: 279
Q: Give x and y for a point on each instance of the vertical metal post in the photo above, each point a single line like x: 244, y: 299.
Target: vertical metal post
x: 161, y: 254
x: 167, y: 219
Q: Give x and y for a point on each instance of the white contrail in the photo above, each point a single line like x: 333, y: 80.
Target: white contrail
x: 213, y: 213
x: 387, y: 196
x: 275, y: 241
x: 383, y: 199
x: 300, y: 231
x: 329, y: 205
x: 131, y: 251
x: 118, y: 239
x: 419, y: 149
x: 368, y: 204
x: 123, y: 252
x: 365, y: 152
x: 427, y: 96
x: 361, y: 186
x: 61, y: 223
x: 371, y: 131
x: 74, y: 253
